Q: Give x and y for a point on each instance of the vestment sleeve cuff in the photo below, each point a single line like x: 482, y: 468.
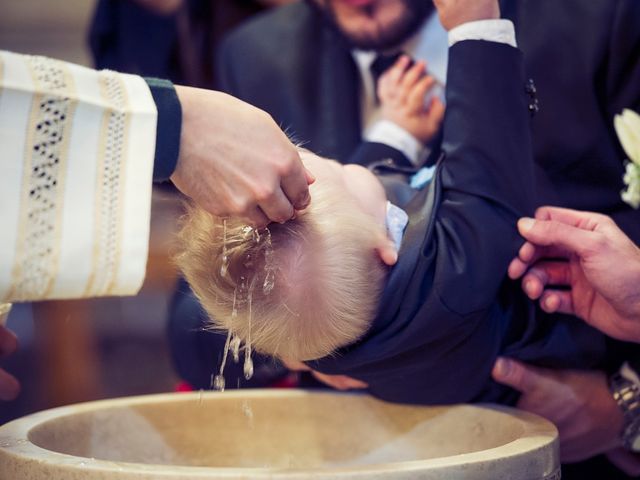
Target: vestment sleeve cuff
x: 168, y: 129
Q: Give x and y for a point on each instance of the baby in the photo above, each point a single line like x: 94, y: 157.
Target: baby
x: 320, y: 288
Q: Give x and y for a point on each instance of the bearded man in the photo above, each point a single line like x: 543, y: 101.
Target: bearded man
x: 310, y: 66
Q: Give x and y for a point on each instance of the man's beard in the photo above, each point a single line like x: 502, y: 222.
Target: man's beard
x: 415, y: 13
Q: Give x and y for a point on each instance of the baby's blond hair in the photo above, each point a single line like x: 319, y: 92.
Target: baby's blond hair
x: 327, y: 277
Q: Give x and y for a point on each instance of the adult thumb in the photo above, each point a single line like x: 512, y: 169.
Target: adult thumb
x: 517, y: 375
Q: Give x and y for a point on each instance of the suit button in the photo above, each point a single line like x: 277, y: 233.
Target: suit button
x: 530, y: 88
x: 534, y: 107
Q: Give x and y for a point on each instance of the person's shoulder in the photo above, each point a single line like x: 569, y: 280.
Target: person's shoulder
x: 597, y: 14
x: 274, y: 28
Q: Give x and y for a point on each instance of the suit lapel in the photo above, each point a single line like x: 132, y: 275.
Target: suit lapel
x: 339, y: 130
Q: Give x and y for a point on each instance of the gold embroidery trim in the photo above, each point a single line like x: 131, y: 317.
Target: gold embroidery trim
x: 45, y: 163
x: 109, y: 208
x: 122, y: 196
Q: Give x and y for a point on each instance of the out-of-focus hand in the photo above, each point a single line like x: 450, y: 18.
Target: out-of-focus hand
x: 579, y: 403
x: 454, y: 13
x: 9, y: 386
x: 626, y: 461
x: 339, y: 382
x: 402, y: 90
x: 601, y: 267
x: 235, y: 161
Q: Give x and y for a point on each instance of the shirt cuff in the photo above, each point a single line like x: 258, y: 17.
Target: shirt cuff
x: 499, y: 31
x: 168, y: 129
x: 393, y: 135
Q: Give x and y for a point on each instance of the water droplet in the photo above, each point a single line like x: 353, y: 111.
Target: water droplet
x: 235, y: 348
x: 234, y: 310
x: 248, y: 365
x: 225, y: 265
x: 248, y: 261
x: 225, y: 258
x: 218, y: 380
x: 247, y: 231
x: 269, y: 282
x: 219, y: 383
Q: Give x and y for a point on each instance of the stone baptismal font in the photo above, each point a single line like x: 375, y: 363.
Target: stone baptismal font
x: 276, y: 434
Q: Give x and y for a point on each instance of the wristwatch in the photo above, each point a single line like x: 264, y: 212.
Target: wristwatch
x: 626, y: 392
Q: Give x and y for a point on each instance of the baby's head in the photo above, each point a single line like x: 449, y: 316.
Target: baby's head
x: 302, y: 289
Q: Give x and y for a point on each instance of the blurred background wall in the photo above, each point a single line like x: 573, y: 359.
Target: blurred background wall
x: 55, y: 28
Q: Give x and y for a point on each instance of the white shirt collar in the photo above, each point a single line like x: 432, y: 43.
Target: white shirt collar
x: 397, y: 220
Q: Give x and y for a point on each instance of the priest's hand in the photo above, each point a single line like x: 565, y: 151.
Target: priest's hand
x: 9, y: 386
x: 579, y: 403
x: 454, y: 13
x: 590, y: 255
x: 235, y: 161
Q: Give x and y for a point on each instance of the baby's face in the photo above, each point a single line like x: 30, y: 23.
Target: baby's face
x: 362, y: 185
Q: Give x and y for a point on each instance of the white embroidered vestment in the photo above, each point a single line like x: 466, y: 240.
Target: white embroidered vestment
x: 76, y: 163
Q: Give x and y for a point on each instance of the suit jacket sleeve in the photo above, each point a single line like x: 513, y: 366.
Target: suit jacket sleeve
x: 484, y: 183
x: 486, y: 176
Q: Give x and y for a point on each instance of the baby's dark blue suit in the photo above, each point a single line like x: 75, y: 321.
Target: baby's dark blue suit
x: 447, y: 310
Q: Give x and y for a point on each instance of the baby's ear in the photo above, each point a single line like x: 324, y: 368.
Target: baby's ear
x: 387, y: 250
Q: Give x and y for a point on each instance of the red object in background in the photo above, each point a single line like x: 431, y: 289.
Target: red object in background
x: 183, y: 387
x: 289, y: 381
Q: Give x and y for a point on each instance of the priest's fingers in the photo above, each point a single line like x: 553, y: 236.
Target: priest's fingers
x: 543, y: 274
x: 294, y: 184
x: 256, y: 217
x: 276, y: 207
x: 519, y: 376
x: 9, y: 386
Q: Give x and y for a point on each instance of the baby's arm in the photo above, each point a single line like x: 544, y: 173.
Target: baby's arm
x: 402, y: 91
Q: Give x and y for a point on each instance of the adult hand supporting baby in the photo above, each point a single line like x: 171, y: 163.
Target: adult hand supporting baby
x: 235, y: 161
x: 588, y: 253
x: 9, y: 386
x: 579, y: 403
